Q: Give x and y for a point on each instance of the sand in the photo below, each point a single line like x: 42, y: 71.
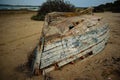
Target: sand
x: 19, y: 35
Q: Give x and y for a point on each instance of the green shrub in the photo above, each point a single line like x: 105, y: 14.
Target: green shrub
x: 51, y: 6
x: 38, y: 17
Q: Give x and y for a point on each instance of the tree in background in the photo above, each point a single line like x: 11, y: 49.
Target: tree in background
x: 113, y: 7
x: 116, y: 6
x: 53, y: 5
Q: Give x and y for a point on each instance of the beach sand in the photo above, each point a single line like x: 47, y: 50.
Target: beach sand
x: 19, y: 35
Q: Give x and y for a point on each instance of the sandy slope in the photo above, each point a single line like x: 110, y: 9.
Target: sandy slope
x: 19, y: 36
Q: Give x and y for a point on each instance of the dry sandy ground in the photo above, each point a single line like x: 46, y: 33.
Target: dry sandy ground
x: 19, y: 35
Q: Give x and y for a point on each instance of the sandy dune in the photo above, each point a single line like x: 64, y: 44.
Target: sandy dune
x: 19, y: 35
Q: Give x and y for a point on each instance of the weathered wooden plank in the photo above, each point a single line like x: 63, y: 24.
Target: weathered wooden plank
x: 38, y: 56
x: 62, y: 63
x: 61, y: 48
x: 66, y: 53
x: 72, y: 39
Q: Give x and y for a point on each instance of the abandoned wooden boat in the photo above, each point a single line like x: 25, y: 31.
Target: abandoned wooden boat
x: 67, y: 37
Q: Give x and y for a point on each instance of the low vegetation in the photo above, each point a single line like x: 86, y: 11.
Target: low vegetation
x: 51, y: 6
x: 63, y: 6
x: 113, y: 7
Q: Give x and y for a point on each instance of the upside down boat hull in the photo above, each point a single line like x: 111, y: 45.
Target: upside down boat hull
x: 71, y: 48
x: 66, y: 38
